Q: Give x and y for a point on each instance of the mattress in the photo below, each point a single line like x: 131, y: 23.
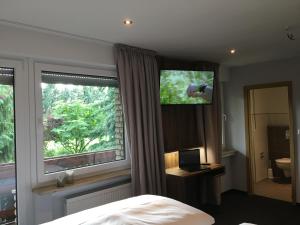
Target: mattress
x: 140, y: 210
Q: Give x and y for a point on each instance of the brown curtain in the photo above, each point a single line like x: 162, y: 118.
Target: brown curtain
x: 208, y: 120
x: 213, y: 138
x: 212, y: 117
x: 139, y: 85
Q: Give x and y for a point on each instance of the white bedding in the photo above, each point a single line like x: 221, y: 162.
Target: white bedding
x: 141, y: 210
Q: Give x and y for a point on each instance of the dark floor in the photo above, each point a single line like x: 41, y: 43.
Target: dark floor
x: 239, y: 207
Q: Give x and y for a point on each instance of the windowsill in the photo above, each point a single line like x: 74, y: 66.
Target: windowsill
x: 228, y: 153
x: 51, y: 189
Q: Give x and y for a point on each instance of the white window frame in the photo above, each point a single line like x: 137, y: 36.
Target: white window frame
x: 223, y: 115
x: 39, y: 158
x: 22, y: 143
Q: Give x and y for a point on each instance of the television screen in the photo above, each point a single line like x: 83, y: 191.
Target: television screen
x: 186, y: 87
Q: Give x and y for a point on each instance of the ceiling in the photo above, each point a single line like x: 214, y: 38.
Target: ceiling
x: 191, y: 29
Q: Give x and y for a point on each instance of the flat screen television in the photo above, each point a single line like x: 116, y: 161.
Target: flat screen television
x: 179, y: 87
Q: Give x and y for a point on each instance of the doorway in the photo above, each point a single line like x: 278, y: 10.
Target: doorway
x: 270, y: 140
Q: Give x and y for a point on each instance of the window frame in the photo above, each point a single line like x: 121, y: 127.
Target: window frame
x: 223, y: 116
x: 22, y: 143
x: 41, y: 177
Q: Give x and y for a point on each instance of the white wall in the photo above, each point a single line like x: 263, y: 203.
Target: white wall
x: 24, y: 43
x: 226, y: 180
x: 29, y: 46
x: 269, y: 72
x: 270, y: 100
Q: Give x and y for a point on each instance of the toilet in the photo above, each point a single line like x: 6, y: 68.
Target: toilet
x: 285, y: 165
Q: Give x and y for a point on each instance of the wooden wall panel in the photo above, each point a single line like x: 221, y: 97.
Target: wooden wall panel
x: 180, y: 127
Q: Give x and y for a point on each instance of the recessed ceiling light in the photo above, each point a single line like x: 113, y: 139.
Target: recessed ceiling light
x: 128, y: 22
x: 232, y: 51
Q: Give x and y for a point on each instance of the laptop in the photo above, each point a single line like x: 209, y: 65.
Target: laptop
x: 189, y: 160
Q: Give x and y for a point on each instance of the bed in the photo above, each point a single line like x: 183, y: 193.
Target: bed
x: 140, y: 210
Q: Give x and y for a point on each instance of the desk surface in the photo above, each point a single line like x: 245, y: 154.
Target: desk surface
x: 176, y: 171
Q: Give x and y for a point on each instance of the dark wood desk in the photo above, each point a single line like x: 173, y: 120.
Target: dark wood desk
x: 193, y: 188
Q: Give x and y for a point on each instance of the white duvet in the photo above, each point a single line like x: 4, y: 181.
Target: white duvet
x: 141, y: 210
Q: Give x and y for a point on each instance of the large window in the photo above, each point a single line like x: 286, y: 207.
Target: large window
x: 51, y: 122
x: 77, y: 122
x: 82, y: 121
x: 7, y: 147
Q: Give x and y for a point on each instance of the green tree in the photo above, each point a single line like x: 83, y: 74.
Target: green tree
x: 79, y: 119
x: 6, y: 124
x: 80, y: 124
x: 50, y: 95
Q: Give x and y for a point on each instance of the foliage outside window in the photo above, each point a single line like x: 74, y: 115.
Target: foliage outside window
x: 7, y: 147
x: 6, y: 124
x: 82, y: 120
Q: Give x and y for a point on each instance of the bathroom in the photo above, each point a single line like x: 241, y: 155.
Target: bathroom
x: 269, y: 137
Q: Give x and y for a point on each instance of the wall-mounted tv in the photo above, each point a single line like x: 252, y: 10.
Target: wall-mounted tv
x: 178, y: 87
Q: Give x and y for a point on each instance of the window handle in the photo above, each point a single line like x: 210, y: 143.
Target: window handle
x: 287, y: 134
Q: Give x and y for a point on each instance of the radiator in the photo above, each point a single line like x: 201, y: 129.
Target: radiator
x: 90, y: 200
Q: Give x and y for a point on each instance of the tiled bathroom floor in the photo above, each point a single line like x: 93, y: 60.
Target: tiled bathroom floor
x: 270, y: 189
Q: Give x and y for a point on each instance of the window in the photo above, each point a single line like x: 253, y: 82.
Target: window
x: 81, y: 122
x: 7, y: 147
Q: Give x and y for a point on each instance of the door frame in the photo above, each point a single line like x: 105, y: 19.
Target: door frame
x: 250, y: 169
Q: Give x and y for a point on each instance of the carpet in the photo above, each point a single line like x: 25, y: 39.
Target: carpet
x: 239, y: 207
